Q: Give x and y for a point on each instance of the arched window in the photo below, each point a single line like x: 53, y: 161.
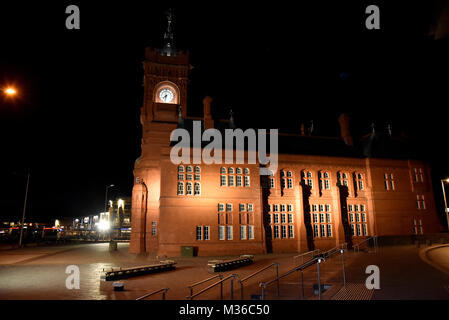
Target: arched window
x: 180, y: 188
x: 197, y: 169
x: 239, y: 171
x: 223, y: 170
x: 197, y: 188
x: 289, y: 174
x: 246, y: 171
x: 231, y: 170
x: 180, y: 168
x: 189, y: 188
x: 189, y: 169
x: 324, y: 180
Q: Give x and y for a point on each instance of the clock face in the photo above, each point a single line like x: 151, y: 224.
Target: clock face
x: 166, y: 95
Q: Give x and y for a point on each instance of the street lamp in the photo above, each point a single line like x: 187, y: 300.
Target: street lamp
x: 106, y: 200
x: 24, y: 209
x: 445, y: 202
x: 10, y: 91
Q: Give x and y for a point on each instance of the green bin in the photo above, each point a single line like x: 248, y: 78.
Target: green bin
x: 186, y: 251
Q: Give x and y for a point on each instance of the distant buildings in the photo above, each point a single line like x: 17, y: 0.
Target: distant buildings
x: 115, y: 223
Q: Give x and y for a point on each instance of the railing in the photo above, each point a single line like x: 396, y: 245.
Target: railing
x: 314, y: 253
x: 163, y: 290
x: 230, y: 277
x: 300, y: 268
x: 275, y: 264
x: 316, y: 260
x: 207, y: 280
x: 356, y: 247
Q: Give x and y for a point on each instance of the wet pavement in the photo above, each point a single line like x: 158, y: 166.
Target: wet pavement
x: 39, y: 273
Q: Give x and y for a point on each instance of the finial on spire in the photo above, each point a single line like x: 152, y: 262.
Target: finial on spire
x: 231, y: 119
x: 169, y: 47
x: 373, y: 128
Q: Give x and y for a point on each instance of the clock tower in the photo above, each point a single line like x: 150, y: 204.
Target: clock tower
x: 166, y: 72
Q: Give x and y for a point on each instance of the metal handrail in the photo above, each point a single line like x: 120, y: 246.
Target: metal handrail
x: 163, y: 290
x: 232, y: 277
x: 307, y: 253
x: 276, y: 264
x: 206, y: 280
x: 301, y: 268
x: 366, y: 240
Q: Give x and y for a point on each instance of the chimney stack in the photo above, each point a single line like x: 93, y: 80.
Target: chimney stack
x: 343, y: 120
x: 208, y: 121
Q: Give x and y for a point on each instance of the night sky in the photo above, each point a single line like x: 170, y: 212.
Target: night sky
x: 75, y: 123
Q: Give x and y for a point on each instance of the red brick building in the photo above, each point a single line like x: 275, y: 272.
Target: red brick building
x: 325, y: 192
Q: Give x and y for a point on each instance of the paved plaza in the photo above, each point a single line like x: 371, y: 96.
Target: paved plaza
x: 406, y: 272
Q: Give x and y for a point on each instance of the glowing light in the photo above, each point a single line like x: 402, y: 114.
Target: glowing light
x: 103, y: 225
x: 10, y: 91
x: 121, y: 203
x: 57, y: 224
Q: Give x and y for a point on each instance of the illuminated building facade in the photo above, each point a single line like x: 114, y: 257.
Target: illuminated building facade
x: 326, y: 191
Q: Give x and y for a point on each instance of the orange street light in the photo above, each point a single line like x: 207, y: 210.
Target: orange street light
x: 10, y: 91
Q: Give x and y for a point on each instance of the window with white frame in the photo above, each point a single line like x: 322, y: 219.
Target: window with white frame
x: 197, y: 169
x: 228, y: 206
x: 180, y: 188
x: 250, y: 232
x: 189, y: 188
x: 221, y: 207
x: 342, y: 178
x: 420, y: 202
x: 221, y: 232
x: 206, y: 231
x: 389, y: 181
x: 250, y: 207
x: 199, y: 232
x: 238, y: 181
x: 229, y: 232
x: 242, y: 232
x: 197, y: 188
x: 321, y: 220
x: 241, y: 207
x: 360, y: 181
x: 246, y: 180
x: 272, y: 185
x: 324, y: 180
x: 358, y: 219
x: 189, y: 169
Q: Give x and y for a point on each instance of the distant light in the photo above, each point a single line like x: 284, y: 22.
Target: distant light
x: 10, y: 91
x: 103, y: 225
x: 447, y: 180
x: 57, y: 224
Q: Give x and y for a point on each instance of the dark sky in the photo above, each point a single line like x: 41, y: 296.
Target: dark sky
x: 75, y: 123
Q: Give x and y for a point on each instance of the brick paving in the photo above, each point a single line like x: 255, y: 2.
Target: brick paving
x: 39, y: 273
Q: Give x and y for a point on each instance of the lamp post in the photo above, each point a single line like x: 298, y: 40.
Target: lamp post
x: 105, y: 202
x: 445, y: 202
x: 24, y: 209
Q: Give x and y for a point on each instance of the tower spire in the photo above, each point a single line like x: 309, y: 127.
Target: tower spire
x: 169, y: 45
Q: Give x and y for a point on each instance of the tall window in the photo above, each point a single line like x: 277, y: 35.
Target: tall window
x: 197, y: 188
x: 360, y: 181
x: 321, y: 220
x: 206, y: 233
x: 342, y: 178
x: 182, y: 178
x: 420, y: 202
x: 417, y: 226
x: 324, y: 180
x: 389, y: 181
x: 281, y: 224
x: 417, y: 175
x: 221, y: 232
x: 307, y: 178
x: 250, y: 232
x: 272, y: 185
x: 358, y: 220
x: 229, y: 232
x: 189, y: 188
x: 242, y: 232
x: 199, y: 233
x: 180, y: 188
